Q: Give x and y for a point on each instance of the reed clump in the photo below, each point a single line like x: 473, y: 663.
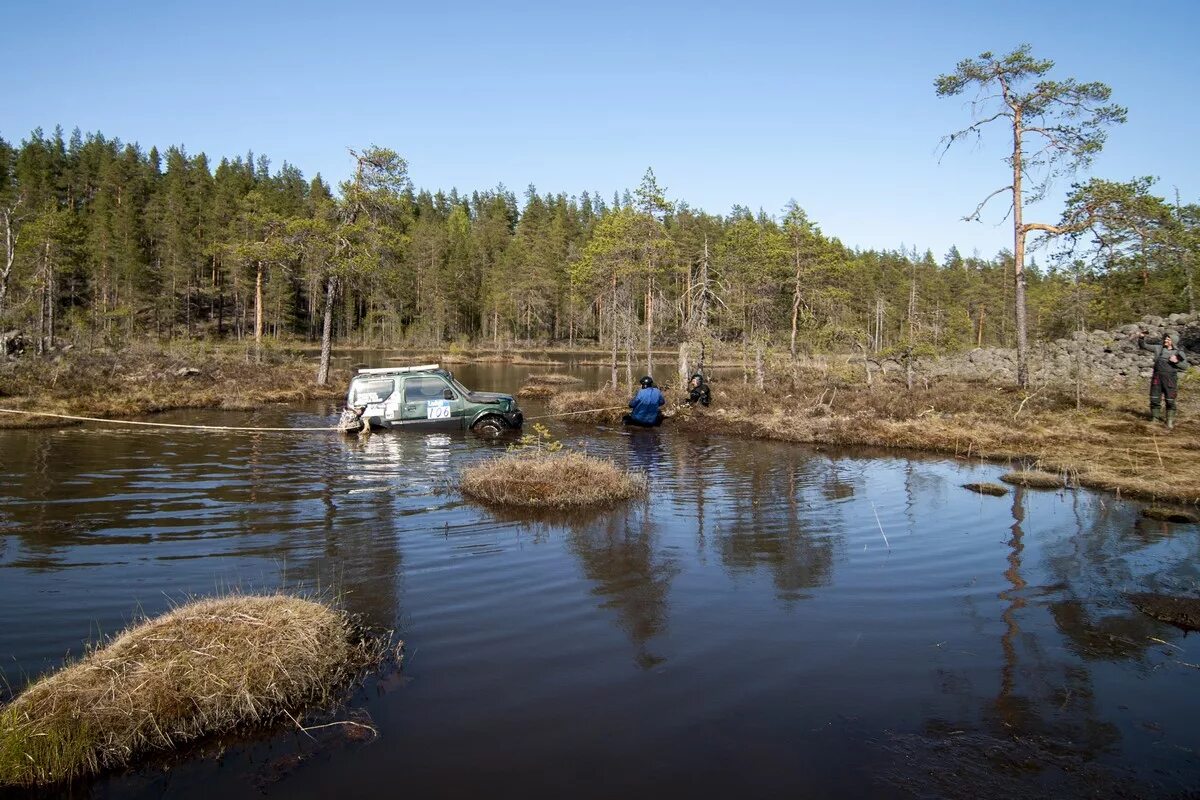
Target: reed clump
x: 537, y: 391
x: 558, y: 480
x: 207, y: 667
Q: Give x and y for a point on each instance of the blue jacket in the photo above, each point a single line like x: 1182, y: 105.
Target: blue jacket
x: 645, y: 404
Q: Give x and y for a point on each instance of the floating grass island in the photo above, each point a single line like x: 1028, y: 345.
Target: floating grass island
x: 560, y: 480
x: 207, y: 667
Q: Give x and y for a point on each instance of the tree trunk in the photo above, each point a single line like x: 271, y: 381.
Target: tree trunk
x: 683, y: 364
x: 613, y: 329
x: 258, y: 311
x: 795, y: 305
x: 759, y: 376
x: 327, y: 332
x: 10, y: 255
x: 649, y: 324
x: 1019, y: 234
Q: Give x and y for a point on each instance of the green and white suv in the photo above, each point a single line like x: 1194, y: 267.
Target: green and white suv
x: 429, y: 398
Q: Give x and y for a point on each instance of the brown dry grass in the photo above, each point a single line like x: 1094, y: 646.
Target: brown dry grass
x: 536, y: 390
x: 1035, y: 479
x: 602, y: 405
x: 1107, y: 444
x: 993, y: 489
x: 143, y: 380
x: 550, y: 480
x: 554, y: 379
x: 207, y: 667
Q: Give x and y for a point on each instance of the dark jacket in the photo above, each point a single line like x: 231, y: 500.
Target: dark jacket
x: 1166, y: 372
x: 645, y: 405
x: 699, y: 394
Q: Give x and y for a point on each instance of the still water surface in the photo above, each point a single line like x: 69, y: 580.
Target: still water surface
x: 772, y: 619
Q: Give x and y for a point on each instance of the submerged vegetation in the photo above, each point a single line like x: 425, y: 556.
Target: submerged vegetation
x: 207, y: 667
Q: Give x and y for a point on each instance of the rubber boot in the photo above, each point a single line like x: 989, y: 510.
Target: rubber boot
x: 1155, y: 413
x: 1170, y: 418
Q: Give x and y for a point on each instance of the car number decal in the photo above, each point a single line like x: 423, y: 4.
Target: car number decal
x: 437, y: 409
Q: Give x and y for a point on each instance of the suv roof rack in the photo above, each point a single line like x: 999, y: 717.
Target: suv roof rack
x: 394, y: 370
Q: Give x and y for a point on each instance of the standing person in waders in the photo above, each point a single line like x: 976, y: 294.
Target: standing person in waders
x: 1169, y: 361
x: 646, y: 405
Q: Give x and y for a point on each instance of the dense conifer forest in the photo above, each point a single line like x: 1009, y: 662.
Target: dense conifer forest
x: 106, y: 242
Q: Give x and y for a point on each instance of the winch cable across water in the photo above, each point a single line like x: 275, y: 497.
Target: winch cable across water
x: 239, y: 429
x: 164, y: 424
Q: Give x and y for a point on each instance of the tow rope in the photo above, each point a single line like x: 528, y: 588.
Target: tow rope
x: 160, y: 424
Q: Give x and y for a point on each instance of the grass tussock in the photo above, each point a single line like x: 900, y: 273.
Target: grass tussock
x: 538, y: 391
x: 1183, y: 516
x: 993, y: 489
x: 1036, y: 479
x: 1104, y: 443
x: 560, y: 480
x: 553, y: 379
x: 207, y: 667
x: 149, y: 378
x: 602, y: 405
x: 1182, y: 612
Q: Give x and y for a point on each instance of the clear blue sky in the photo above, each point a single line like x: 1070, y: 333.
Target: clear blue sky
x: 730, y: 103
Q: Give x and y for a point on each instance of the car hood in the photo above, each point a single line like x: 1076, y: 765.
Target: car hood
x: 488, y: 397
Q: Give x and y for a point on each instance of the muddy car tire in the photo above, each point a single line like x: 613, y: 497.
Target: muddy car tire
x: 490, y: 427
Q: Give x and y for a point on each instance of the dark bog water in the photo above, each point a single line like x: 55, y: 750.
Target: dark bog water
x: 772, y: 620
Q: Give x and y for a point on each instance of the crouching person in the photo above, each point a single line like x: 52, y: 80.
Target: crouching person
x: 1169, y: 362
x: 646, y: 405
x: 698, y: 391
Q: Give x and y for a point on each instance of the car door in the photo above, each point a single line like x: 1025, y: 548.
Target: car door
x: 430, y: 403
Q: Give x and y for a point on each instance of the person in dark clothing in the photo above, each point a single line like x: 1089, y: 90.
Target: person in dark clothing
x: 1169, y: 362
x: 646, y: 405
x: 698, y: 391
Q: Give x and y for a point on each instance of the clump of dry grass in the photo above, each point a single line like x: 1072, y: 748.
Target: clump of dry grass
x: 993, y: 489
x: 554, y: 379
x: 602, y: 405
x: 1036, y: 479
x: 537, y: 391
x: 1166, y: 514
x: 1182, y: 612
x: 207, y: 667
x: 538, y: 479
x: 147, y: 378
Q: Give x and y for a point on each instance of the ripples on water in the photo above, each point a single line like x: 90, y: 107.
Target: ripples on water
x: 771, y: 619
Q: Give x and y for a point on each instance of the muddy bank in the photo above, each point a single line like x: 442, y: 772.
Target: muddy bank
x: 1182, y: 612
x: 145, y: 379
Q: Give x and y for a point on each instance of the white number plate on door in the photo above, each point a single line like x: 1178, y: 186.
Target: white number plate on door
x: 437, y: 409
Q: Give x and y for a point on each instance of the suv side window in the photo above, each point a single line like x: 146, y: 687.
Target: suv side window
x: 374, y: 390
x: 423, y: 388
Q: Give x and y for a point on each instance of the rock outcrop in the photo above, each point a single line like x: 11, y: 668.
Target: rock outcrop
x: 1108, y: 358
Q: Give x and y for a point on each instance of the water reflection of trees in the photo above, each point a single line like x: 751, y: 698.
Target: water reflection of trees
x: 617, y: 553
x: 773, y: 513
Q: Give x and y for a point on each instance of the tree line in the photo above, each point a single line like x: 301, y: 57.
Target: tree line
x: 105, y: 242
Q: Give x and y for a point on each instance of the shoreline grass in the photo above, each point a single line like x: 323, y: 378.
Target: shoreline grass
x: 560, y: 480
x: 1106, y: 443
x: 146, y: 379
x: 207, y: 667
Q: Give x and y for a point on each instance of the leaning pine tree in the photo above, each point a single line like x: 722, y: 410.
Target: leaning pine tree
x: 1057, y: 127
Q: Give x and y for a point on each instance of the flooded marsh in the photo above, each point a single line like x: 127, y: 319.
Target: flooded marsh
x: 770, y: 618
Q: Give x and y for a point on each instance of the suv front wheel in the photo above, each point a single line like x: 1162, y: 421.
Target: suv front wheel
x: 490, y: 427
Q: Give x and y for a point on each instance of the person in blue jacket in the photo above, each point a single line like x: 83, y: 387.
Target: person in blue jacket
x: 646, y: 405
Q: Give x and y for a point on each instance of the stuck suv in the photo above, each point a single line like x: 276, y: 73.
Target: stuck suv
x: 429, y: 397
